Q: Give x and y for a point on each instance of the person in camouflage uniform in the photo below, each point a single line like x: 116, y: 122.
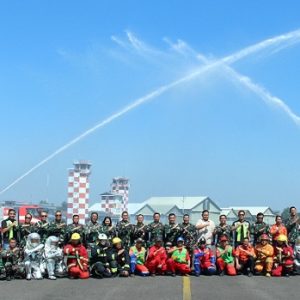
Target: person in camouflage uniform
x: 259, y: 228
x: 293, y: 226
x: 155, y: 229
x: 172, y: 230
x: 12, y: 259
x: 42, y: 227
x: 140, y: 230
x: 24, y: 230
x: 108, y: 229
x: 75, y: 227
x: 2, y: 268
x: 58, y: 228
x: 222, y: 229
x: 189, y: 233
x: 125, y: 230
x: 92, y: 230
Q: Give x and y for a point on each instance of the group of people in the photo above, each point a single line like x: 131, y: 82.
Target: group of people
x: 55, y: 249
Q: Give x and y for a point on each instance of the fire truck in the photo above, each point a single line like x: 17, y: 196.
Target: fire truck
x: 21, y: 211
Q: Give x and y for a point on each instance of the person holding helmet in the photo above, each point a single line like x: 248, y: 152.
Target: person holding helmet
x: 156, y: 259
x: 54, y: 258
x: 179, y: 262
x: 283, y: 257
x: 77, y: 258
x: 264, y: 253
x: 244, y: 258
x: 137, y: 255
x: 100, y: 257
x: 33, y: 257
x: 204, y: 259
x: 225, y: 261
x: 120, y: 260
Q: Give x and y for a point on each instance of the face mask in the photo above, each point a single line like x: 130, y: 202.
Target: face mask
x: 34, y: 244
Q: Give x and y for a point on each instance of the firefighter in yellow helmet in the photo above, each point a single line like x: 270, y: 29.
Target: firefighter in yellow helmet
x: 119, y: 259
x: 77, y: 258
x: 283, y: 257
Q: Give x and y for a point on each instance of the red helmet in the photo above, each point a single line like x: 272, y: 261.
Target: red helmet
x: 223, y: 238
x: 264, y: 237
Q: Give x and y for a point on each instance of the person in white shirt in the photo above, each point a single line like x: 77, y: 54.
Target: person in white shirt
x: 206, y: 228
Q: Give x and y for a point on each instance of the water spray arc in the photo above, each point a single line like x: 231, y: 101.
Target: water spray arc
x: 291, y: 37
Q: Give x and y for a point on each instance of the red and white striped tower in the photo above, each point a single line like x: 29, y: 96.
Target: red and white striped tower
x: 78, y: 191
x: 120, y: 186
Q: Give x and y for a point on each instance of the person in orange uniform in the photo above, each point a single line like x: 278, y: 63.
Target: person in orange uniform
x: 283, y: 257
x: 77, y: 258
x: 156, y: 259
x: 179, y: 262
x: 244, y: 258
x: 277, y: 229
x: 264, y: 253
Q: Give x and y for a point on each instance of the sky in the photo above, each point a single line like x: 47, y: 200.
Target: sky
x: 230, y: 132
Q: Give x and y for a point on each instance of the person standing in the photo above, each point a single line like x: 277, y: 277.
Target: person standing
x: 9, y: 228
x: 108, y: 229
x: 24, y: 230
x: 92, y: 230
x: 240, y: 228
x: 222, y: 229
x: 206, y: 228
x: 155, y: 229
x: 293, y: 226
x: 172, y: 230
x: 58, y: 228
x: 189, y: 233
x: 140, y: 230
x: 277, y: 229
x: 259, y: 228
x: 125, y: 230
x: 42, y: 226
x: 75, y: 227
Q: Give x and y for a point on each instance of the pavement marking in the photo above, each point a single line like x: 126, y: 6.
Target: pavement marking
x: 186, y: 288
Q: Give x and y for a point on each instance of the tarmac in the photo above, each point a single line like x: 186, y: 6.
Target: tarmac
x: 165, y: 288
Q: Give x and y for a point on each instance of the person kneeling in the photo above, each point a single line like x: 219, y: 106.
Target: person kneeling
x: 264, y: 253
x: 77, y: 258
x: 137, y: 255
x: 204, y: 259
x: 180, y: 259
x: 225, y: 262
x: 120, y: 264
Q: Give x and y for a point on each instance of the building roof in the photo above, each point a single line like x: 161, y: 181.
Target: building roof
x: 134, y: 207
x: 96, y: 207
x: 254, y: 210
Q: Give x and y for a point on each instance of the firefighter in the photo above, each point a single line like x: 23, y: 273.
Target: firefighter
x: 54, y: 258
x: 77, y: 258
x: 283, y: 257
x: 58, y: 228
x: 155, y: 229
x: 156, y: 259
x: 125, y: 230
x: 120, y: 264
x: 297, y: 256
x: 179, y: 262
x: 24, y: 230
x: 12, y: 261
x: 33, y: 257
x: 137, y: 255
x: 225, y: 261
x: 245, y: 258
x: 172, y: 230
x: 204, y: 259
x: 101, y: 258
x: 264, y: 256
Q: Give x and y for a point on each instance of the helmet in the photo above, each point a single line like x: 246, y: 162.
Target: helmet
x: 264, y: 237
x: 75, y: 236
x: 282, y: 238
x: 180, y: 239
x: 102, y: 236
x: 202, y: 241
x: 33, y: 240
x: 116, y: 240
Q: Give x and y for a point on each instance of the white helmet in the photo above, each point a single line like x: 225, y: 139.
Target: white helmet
x: 102, y: 236
x: 33, y: 240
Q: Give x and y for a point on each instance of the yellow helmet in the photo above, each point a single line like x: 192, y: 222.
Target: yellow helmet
x: 282, y: 238
x: 116, y: 240
x: 75, y: 236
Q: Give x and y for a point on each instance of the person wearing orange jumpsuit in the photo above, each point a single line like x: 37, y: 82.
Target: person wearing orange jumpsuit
x: 77, y: 258
x: 264, y: 253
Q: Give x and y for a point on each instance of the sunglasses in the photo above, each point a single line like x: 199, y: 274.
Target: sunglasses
x: 57, y: 215
x: 43, y: 216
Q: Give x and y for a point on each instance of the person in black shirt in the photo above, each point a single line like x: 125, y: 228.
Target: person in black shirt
x: 9, y: 228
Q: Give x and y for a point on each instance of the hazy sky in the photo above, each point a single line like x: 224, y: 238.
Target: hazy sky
x: 67, y: 65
